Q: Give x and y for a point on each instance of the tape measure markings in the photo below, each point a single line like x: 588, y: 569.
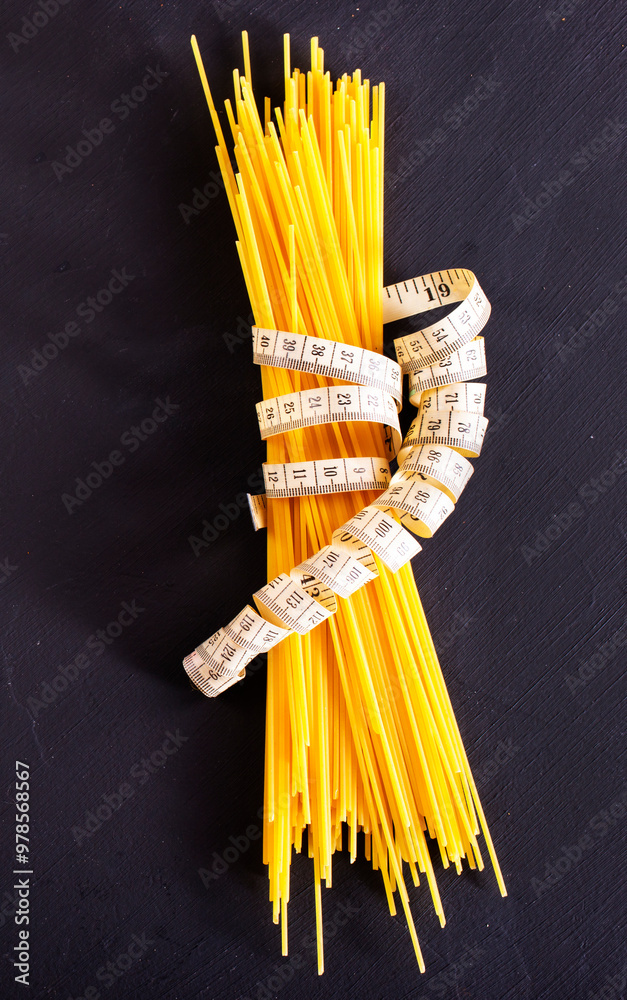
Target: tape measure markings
x: 292, y: 607
x: 330, y: 404
x: 423, y: 507
x: 204, y: 679
x: 466, y: 396
x: 454, y: 428
x: 340, y: 475
x: 258, y: 506
x: 340, y: 571
x: 425, y: 347
x: 382, y: 534
x: 432, y: 474
x: 465, y: 364
x: 328, y: 358
x: 441, y: 466
x: 401, y: 302
x: 250, y: 631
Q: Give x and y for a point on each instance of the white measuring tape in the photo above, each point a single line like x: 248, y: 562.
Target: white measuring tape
x: 335, y: 567
x: 467, y: 396
x: 340, y: 475
x: 284, y: 602
x: 329, y: 358
x: 432, y: 344
x: 454, y: 428
x: 328, y: 405
x: 221, y: 661
x: 382, y: 534
x: 443, y: 360
x: 421, y: 506
x: 467, y: 363
x: 441, y: 467
x: 250, y: 631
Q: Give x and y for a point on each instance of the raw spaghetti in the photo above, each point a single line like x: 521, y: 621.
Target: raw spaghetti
x: 359, y: 726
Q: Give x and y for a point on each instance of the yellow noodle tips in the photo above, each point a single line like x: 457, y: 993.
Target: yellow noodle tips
x: 359, y: 726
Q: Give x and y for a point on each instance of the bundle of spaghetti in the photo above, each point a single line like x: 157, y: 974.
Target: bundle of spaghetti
x: 360, y: 729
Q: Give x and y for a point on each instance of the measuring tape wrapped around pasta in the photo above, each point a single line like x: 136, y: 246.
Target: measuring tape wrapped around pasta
x: 442, y: 361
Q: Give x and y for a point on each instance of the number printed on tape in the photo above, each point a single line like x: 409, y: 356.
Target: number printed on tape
x: 222, y: 654
x: 440, y: 466
x: 466, y: 364
x: 294, y: 608
x: 466, y: 396
x: 432, y: 344
x: 330, y: 404
x: 386, y: 537
x: 339, y: 475
x: 456, y: 429
x: 252, y: 632
x: 422, y: 507
x: 207, y: 680
x: 328, y: 358
x: 336, y: 568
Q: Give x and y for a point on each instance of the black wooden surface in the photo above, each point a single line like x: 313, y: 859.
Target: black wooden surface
x: 523, y: 586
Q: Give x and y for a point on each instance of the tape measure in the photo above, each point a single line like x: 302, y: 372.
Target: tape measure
x: 382, y: 534
x: 250, y: 631
x: 258, y: 506
x: 467, y: 396
x: 443, y: 360
x: 327, y: 405
x: 441, y: 467
x: 421, y: 506
x: 453, y: 428
x: 466, y: 363
x: 340, y: 475
x: 221, y: 661
x: 329, y: 358
x: 285, y: 603
x: 432, y: 344
x: 338, y: 570
x: 216, y: 664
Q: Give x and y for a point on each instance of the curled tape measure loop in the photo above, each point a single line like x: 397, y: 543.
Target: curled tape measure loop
x: 328, y: 358
x: 464, y: 432
x: 258, y: 507
x: 422, y: 508
x: 250, y: 631
x: 430, y: 345
x: 467, y: 363
x: 217, y: 664
x: 441, y: 467
x: 207, y: 682
x: 330, y: 404
x: 339, y: 475
x: 443, y: 361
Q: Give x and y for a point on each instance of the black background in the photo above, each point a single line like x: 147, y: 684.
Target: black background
x: 514, y: 613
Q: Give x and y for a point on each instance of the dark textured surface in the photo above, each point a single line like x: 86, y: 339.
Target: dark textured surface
x: 528, y: 625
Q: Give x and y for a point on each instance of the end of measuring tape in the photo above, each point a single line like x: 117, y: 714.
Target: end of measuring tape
x: 442, y: 361
x: 258, y: 506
